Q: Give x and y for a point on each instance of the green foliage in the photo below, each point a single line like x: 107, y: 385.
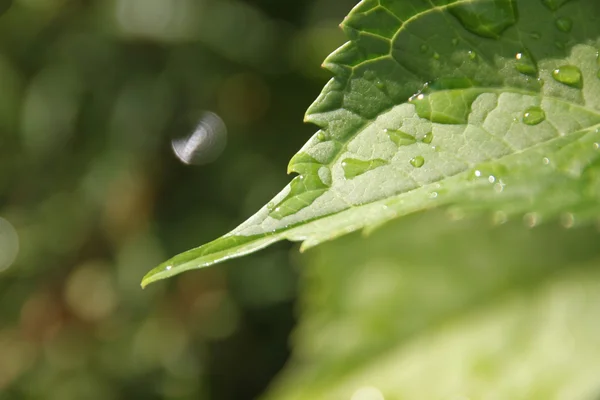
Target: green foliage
x: 478, y: 105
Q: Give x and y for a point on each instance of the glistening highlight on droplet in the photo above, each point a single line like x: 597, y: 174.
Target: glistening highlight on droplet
x: 205, y: 144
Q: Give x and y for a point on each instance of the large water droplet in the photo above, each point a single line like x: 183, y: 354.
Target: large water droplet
x: 569, y: 75
x: 486, y: 18
x: 205, y: 144
x: 564, y: 24
x: 525, y: 63
x: 353, y: 167
x: 399, y: 137
x: 533, y: 116
x: 417, y: 162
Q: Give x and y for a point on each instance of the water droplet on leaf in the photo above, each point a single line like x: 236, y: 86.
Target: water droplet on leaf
x: 424, y: 48
x: 321, y: 136
x: 353, y: 167
x: 564, y: 24
x: 486, y: 18
x: 417, y: 162
x: 436, y: 56
x: 525, y: 63
x: 428, y: 138
x: 533, y: 116
x: 569, y: 75
x: 399, y: 137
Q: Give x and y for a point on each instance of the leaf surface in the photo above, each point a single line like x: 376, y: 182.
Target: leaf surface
x: 490, y: 105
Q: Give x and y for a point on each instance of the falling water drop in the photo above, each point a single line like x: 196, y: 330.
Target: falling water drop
x: 205, y: 144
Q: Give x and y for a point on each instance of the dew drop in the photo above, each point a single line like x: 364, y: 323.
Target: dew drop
x: 533, y: 116
x: 400, y: 138
x: 168, y: 267
x: 205, y: 144
x: 491, y: 179
x: 564, y: 24
x: 380, y: 85
x: 455, y: 41
x: 321, y: 136
x: 417, y: 162
x: 554, y: 5
x: 436, y: 56
x: 596, y: 146
x: 472, y: 55
x: 569, y: 75
x: 353, y: 167
x: 270, y: 206
x: 428, y: 138
x: 487, y: 19
x: 525, y: 63
x: 433, y: 195
x: 546, y: 161
x: 424, y: 48
x: 535, y: 35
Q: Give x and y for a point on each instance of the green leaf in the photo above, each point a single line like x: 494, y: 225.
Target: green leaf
x: 430, y: 308
x: 490, y: 105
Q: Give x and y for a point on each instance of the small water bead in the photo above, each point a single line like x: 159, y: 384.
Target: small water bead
x: 535, y: 35
x: 428, y: 138
x: 455, y: 41
x: 546, y: 161
x: 321, y: 136
x: 417, y: 162
x: 596, y: 146
x: 491, y: 179
x: 168, y: 267
x: 472, y: 55
x: 568, y: 75
x: 424, y: 48
x: 564, y: 24
x: 436, y: 56
x: 525, y: 63
x: 369, y: 75
x: 533, y: 116
x: 270, y: 206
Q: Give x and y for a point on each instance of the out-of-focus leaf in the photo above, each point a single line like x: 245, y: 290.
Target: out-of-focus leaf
x: 483, y: 104
x: 428, y: 308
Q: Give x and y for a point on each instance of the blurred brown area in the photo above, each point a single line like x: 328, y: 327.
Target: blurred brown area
x: 92, y: 197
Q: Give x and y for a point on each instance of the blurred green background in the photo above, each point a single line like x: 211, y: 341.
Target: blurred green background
x: 91, y: 94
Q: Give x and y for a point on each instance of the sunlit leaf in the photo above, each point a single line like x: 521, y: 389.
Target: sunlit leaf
x: 489, y: 105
